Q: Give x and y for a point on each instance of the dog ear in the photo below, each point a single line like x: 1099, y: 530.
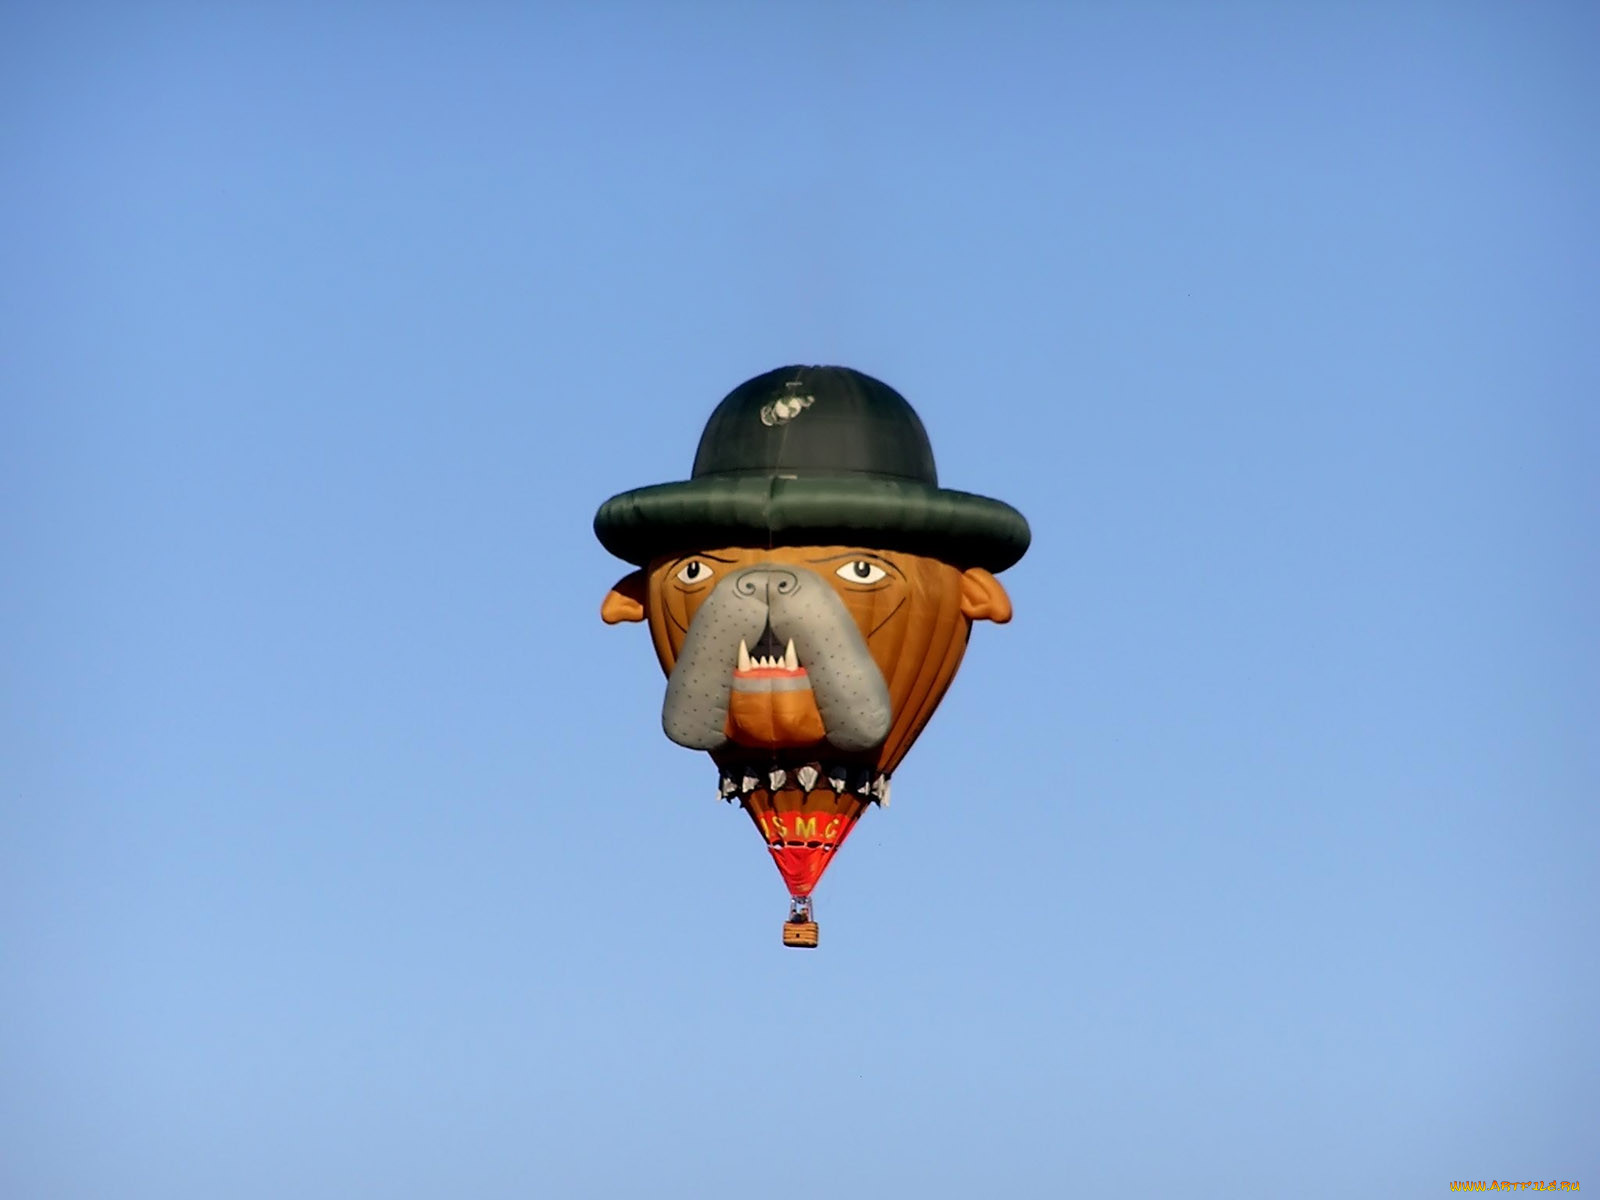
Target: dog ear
x: 625, y: 601
x: 982, y: 597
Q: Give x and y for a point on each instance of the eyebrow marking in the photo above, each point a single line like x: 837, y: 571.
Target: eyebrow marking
x: 837, y: 557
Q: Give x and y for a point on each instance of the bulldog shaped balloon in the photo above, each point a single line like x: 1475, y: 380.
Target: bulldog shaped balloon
x: 810, y: 591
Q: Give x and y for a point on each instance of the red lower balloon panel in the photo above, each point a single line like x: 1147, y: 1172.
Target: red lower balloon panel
x: 803, y: 831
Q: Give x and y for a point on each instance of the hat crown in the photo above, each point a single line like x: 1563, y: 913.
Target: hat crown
x: 814, y: 421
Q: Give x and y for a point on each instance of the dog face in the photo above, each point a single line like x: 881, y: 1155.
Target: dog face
x: 806, y: 651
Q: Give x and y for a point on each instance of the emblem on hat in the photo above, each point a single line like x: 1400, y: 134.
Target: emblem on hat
x: 788, y: 406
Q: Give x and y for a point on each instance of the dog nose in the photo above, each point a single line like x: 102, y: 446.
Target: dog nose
x: 767, y: 581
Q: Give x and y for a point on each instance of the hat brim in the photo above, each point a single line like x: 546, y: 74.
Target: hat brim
x: 960, y: 528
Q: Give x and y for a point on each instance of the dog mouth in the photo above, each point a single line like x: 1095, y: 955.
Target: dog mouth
x: 771, y: 705
x: 771, y: 661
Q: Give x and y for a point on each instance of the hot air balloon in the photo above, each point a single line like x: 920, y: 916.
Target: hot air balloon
x: 809, y: 590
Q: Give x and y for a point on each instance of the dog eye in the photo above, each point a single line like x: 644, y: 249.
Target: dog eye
x: 694, y: 571
x: 861, y: 571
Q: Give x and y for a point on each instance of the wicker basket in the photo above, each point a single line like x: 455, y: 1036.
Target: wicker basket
x: 800, y: 933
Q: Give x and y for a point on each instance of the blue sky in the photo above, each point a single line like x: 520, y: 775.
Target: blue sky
x: 342, y: 852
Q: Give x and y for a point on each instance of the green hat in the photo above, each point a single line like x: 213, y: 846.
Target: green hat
x: 813, y: 456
